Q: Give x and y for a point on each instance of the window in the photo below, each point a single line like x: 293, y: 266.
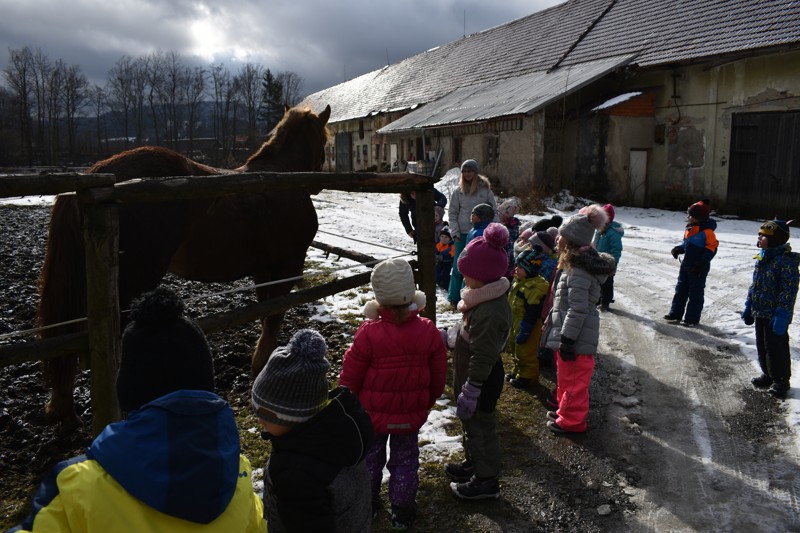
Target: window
x: 457, y: 155
x: 492, y: 148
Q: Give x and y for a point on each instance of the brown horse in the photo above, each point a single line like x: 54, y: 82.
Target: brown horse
x: 265, y: 236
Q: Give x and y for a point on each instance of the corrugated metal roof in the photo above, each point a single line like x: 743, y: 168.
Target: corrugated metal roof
x: 578, y: 31
x: 512, y: 96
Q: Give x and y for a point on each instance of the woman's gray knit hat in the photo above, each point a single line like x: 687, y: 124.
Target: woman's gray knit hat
x: 293, y: 386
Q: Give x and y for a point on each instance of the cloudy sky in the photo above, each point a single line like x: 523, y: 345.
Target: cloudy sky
x: 323, y: 41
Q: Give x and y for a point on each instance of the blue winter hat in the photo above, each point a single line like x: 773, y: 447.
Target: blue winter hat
x: 776, y: 231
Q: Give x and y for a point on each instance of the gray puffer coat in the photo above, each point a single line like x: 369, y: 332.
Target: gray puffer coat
x: 574, y: 313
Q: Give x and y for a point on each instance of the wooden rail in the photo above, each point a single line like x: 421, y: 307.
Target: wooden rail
x: 102, y: 193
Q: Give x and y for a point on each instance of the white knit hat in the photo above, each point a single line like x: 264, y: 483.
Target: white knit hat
x: 393, y: 284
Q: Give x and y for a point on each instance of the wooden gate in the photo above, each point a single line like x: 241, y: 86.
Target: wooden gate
x: 764, y: 169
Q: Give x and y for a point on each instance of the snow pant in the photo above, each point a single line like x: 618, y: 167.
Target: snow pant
x: 403, y: 467
x: 481, y: 443
x: 525, y: 356
x: 607, y: 291
x: 572, y: 391
x: 690, y: 288
x: 773, y: 351
x: 456, y: 280
x: 443, y: 269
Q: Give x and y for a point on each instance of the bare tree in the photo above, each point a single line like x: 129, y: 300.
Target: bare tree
x: 292, y: 84
x: 249, y: 80
x: 97, y: 100
x: 75, y: 98
x: 19, y: 75
x: 120, y: 93
x: 195, y: 90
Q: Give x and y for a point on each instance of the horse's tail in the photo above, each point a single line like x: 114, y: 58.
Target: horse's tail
x: 62, y: 281
x: 62, y: 297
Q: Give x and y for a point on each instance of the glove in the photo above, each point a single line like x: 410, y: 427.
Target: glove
x: 443, y: 332
x: 747, y: 315
x: 567, y: 349
x: 678, y: 250
x: 524, y: 333
x: 467, y: 401
x: 780, y: 322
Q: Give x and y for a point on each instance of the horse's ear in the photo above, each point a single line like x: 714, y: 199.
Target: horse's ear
x: 326, y: 114
x: 286, y: 108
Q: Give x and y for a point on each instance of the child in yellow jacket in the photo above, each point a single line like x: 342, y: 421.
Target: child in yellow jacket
x: 526, y: 295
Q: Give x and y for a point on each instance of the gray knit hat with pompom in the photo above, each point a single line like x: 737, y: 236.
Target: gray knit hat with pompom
x: 293, y: 386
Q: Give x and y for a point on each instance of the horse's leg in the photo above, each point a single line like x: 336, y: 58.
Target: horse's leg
x: 268, y: 340
x: 59, y: 375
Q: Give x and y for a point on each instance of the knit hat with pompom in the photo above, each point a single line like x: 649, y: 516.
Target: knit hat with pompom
x: 485, y: 258
x: 293, y: 387
x: 393, y: 284
x: 163, y: 351
x: 579, y: 229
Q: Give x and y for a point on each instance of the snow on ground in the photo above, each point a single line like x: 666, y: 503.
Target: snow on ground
x: 370, y: 224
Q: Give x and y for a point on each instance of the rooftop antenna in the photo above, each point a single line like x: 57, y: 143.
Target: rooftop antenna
x: 465, y: 23
x: 387, y: 56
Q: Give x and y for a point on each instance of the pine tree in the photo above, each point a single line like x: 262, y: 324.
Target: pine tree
x: 272, y: 100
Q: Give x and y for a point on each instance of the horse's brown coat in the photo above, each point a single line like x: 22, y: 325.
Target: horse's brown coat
x: 265, y: 236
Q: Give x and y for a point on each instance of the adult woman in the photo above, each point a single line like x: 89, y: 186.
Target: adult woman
x: 473, y: 189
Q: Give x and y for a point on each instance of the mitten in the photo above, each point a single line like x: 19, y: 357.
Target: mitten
x: 678, y: 250
x: 567, y: 349
x: 524, y: 333
x: 467, y: 401
x: 747, y: 315
x: 780, y: 322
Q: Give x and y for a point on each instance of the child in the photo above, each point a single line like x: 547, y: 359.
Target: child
x: 770, y: 304
x: 609, y: 240
x: 573, y: 325
x: 174, y: 464
x: 482, y: 215
x: 316, y: 478
x: 700, y: 246
x: 444, y: 258
x: 438, y: 220
x: 477, y: 366
x: 544, y: 244
x: 522, y: 244
x: 397, y: 366
x: 505, y: 213
x: 525, y: 299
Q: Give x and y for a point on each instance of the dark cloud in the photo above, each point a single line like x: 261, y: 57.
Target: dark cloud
x: 324, y: 42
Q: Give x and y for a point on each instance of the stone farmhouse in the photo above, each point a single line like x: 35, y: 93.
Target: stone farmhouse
x: 637, y: 102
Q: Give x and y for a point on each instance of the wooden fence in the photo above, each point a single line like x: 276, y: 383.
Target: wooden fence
x: 101, y: 194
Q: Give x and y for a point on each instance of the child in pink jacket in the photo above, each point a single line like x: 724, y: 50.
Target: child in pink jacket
x: 396, y: 366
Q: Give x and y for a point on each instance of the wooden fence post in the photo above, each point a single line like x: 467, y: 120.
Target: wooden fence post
x: 426, y: 251
x: 101, y: 237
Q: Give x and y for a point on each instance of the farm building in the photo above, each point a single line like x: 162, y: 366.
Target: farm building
x: 639, y: 102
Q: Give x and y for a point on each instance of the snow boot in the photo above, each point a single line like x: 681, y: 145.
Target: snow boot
x: 762, y: 382
x: 477, y: 489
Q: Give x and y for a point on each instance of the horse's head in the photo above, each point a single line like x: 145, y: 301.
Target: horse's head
x: 297, y: 143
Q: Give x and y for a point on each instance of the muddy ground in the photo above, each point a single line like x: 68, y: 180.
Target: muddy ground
x: 636, y: 469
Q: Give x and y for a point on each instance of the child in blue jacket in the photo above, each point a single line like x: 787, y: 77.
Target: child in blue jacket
x: 770, y: 304
x: 699, y: 246
x: 608, y: 239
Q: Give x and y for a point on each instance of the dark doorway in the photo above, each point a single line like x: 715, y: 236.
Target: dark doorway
x: 764, y: 169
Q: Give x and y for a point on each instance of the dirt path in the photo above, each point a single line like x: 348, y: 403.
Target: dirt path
x: 710, y: 453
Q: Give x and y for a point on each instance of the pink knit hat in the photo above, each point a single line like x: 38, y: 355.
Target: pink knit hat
x: 508, y: 209
x: 485, y: 258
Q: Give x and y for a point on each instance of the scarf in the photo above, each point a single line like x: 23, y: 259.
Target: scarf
x: 472, y: 297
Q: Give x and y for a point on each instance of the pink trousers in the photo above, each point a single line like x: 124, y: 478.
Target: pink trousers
x: 572, y: 391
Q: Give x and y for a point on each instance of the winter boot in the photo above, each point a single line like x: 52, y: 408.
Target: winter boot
x: 459, y: 472
x: 403, y: 517
x: 477, y: 489
x: 521, y: 383
x: 779, y: 389
x: 761, y: 382
x: 672, y: 318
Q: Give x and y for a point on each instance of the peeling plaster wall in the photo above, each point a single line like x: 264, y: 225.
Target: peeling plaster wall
x: 625, y: 134
x: 692, y: 162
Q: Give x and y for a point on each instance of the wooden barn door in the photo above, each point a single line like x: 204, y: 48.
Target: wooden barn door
x: 764, y: 169
x: 344, y: 152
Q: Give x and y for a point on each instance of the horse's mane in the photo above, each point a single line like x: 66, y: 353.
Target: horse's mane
x: 293, y: 119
